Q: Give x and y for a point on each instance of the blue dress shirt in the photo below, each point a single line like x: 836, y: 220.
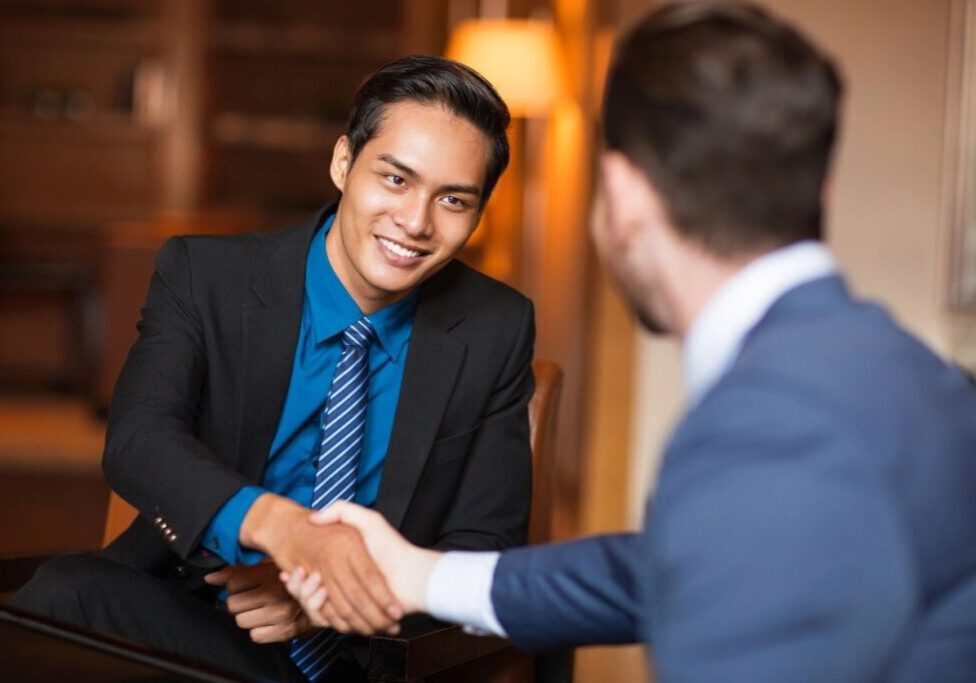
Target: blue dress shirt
x: 327, y: 310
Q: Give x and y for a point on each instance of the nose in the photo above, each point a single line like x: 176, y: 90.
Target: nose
x: 413, y: 216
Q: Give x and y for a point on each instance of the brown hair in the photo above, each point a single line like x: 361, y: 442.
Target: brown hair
x: 732, y: 115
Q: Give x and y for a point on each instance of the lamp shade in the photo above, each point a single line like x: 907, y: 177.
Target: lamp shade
x: 518, y: 57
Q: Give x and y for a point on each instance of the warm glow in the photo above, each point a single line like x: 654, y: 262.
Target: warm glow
x: 518, y: 57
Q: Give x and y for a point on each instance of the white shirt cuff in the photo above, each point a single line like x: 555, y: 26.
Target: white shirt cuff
x: 459, y: 591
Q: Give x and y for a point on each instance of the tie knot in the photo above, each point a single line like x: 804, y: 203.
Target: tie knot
x: 360, y: 334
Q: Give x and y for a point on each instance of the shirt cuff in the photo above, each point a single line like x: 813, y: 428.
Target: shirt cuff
x: 225, y: 527
x: 459, y: 591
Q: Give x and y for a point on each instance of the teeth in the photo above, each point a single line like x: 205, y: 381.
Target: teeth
x: 397, y: 249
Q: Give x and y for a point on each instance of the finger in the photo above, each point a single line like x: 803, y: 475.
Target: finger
x: 317, y: 615
x: 314, y: 602
x: 274, y: 634
x: 382, y: 605
x: 343, y: 592
x: 270, y: 615
x: 345, y: 512
x: 309, y: 586
x: 248, y: 600
x: 295, y: 580
x: 217, y: 578
x: 320, y: 621
x: 333, y: 619
x: 330, y: 514
x: 353, y: 602
x: 312, y: 608
x: 243, y: 580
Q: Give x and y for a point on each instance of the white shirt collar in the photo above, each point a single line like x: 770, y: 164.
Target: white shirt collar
x: 717, y: 333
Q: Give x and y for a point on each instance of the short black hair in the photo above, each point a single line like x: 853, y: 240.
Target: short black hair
x: 732, y: 116
x: 434, y: 80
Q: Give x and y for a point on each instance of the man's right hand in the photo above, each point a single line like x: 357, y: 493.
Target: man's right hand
x: 358, y: 593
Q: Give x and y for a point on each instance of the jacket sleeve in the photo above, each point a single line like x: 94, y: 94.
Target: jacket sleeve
x: 491, y: 508
x: 153, y: 457
x: 566, y: 594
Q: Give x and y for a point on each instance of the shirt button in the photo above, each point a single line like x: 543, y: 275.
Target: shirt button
x: 181, y: 571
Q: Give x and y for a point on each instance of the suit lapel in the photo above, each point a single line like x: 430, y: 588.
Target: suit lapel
x: 272, y: 315
x: 433, y: 362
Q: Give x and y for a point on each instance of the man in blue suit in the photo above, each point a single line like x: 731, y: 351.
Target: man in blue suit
x: 815, y: 517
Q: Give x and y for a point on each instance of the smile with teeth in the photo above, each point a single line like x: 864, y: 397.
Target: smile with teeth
x: 399, y: 249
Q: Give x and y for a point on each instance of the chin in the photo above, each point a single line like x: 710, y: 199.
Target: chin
x: 652, y: 324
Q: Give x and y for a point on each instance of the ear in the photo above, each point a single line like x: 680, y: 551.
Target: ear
x: 623, y: 188
x: 633, y: 202
x: 341, y: 162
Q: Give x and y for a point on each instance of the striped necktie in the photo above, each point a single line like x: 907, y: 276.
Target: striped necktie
x: 343, y: 425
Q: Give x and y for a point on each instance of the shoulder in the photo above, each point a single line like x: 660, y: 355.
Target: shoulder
x: 227, y: 247
x: 460, y: 286
x: 222, y: 257
x: 847, y: 360
x: 842, y: 381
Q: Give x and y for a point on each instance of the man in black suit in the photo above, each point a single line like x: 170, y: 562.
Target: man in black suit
x: 215, y: 425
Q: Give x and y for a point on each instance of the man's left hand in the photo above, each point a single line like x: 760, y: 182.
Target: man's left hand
x: 260, y: 603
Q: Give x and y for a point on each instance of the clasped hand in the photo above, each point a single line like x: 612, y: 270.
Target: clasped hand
x: 359, y: 598
x: 405, y: 567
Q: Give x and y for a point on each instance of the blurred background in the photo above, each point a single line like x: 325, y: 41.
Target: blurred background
x: 123, y: 122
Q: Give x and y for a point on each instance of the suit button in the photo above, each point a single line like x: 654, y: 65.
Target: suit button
x: 171, y: 537
x: 157, y: 521
x: 181, y: 571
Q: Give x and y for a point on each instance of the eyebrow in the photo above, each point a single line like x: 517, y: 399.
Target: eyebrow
x: 413, y: 175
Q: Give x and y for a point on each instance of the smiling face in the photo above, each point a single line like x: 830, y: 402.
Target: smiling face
x: 410, y: 201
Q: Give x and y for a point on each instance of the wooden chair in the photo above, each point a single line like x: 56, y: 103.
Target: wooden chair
x: 436, y: 653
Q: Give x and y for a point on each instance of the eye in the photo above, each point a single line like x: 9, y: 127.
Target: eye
x: 395, y: 179
x: 454, y: 201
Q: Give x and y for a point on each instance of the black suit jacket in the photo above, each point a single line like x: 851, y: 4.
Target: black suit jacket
x: 197, y: 404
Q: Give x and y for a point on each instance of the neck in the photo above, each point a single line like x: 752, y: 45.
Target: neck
x: 691, y: 277
x: 367, y: 298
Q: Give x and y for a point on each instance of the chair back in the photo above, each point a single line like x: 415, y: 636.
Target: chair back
x: 543, y: 409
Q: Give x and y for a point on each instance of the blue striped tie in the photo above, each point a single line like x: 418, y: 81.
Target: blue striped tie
x: 343, y: 424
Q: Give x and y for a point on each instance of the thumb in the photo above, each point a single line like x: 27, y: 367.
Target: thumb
x: 348, y: 513
x: 335, y: 512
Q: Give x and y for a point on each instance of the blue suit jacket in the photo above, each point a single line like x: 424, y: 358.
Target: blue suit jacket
x: 815, y: 519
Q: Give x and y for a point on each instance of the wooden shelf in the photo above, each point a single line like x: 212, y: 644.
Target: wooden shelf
x: 275, y: 133
x: 105, y: 128
x: 304, y: 41
x: 96, y: 34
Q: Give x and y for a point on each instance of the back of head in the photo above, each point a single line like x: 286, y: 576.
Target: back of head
x: 439, y: 81
x: 732, y: 115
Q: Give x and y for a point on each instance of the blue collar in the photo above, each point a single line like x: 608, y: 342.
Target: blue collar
x: 332, y: 309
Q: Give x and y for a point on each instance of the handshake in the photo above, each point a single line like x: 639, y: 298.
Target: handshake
x: 342, y: 567
x: 405, y: 568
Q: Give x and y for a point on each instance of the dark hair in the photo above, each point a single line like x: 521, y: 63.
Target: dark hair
x: 433, y: 80
x: 732, y: 115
